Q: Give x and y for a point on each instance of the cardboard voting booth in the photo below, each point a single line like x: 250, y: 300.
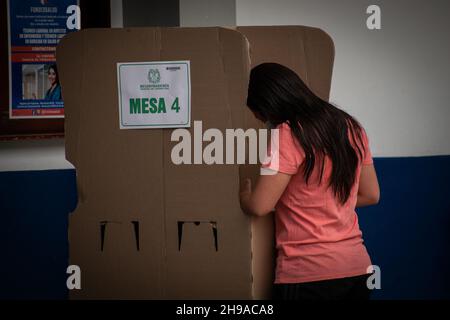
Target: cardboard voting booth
x: 145, y: 227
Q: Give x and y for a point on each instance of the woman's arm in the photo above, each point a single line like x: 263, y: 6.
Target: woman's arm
x: 263, y: 198
x: 369, y: 190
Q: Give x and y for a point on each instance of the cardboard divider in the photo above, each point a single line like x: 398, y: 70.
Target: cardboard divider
x: 134, y: 232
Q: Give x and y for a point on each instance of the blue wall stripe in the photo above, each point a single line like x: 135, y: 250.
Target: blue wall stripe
x: 34, y: 206
x: 407, y: 233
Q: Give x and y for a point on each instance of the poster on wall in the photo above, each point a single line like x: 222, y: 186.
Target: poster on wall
x: 34, y: 29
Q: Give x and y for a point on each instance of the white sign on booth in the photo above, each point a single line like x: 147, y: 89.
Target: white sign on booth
x: 154, y: 94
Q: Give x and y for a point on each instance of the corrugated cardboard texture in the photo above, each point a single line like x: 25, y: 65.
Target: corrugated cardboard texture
x: 144, y: 227
x: 127, y: 176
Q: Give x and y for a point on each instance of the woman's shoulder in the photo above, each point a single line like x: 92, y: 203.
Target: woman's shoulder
x: 287, y: 139
x: 284, y: 129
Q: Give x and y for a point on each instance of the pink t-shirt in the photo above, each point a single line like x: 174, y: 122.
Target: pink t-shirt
x: 317, y: 238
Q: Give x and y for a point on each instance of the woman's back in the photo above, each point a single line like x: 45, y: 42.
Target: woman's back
x: 317, y: 237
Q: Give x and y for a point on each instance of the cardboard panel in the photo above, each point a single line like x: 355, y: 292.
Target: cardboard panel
x: 127, y: 175
x: 106, y: 155
x: 209, y: 193
x: 306, y: 50
x: 117, y: 259
x: 145, y: 227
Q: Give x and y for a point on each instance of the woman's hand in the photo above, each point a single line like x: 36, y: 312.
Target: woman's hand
x: 265, y: 195
x: 245, y: 194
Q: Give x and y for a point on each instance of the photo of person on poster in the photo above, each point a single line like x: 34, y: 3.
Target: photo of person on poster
x: 54, y: 92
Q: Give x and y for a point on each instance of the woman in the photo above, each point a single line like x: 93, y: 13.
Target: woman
x: 54, y: 92
x: 325, y: 170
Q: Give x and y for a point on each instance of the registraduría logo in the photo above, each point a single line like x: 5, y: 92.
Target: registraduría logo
x: 154, y: 76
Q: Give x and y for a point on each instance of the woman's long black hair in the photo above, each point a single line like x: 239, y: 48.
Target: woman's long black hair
x: 278, y: 95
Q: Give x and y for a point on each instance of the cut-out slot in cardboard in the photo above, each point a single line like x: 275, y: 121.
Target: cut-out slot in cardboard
x: 103, y: 232
x: 103, y: 225
x: 197, y: 223
x: 136, y: 233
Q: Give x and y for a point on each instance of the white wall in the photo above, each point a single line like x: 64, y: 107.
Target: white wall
x: 206, y: 13
x: 394, y: 80
x: 33, y: 155
x: 116, y: 13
